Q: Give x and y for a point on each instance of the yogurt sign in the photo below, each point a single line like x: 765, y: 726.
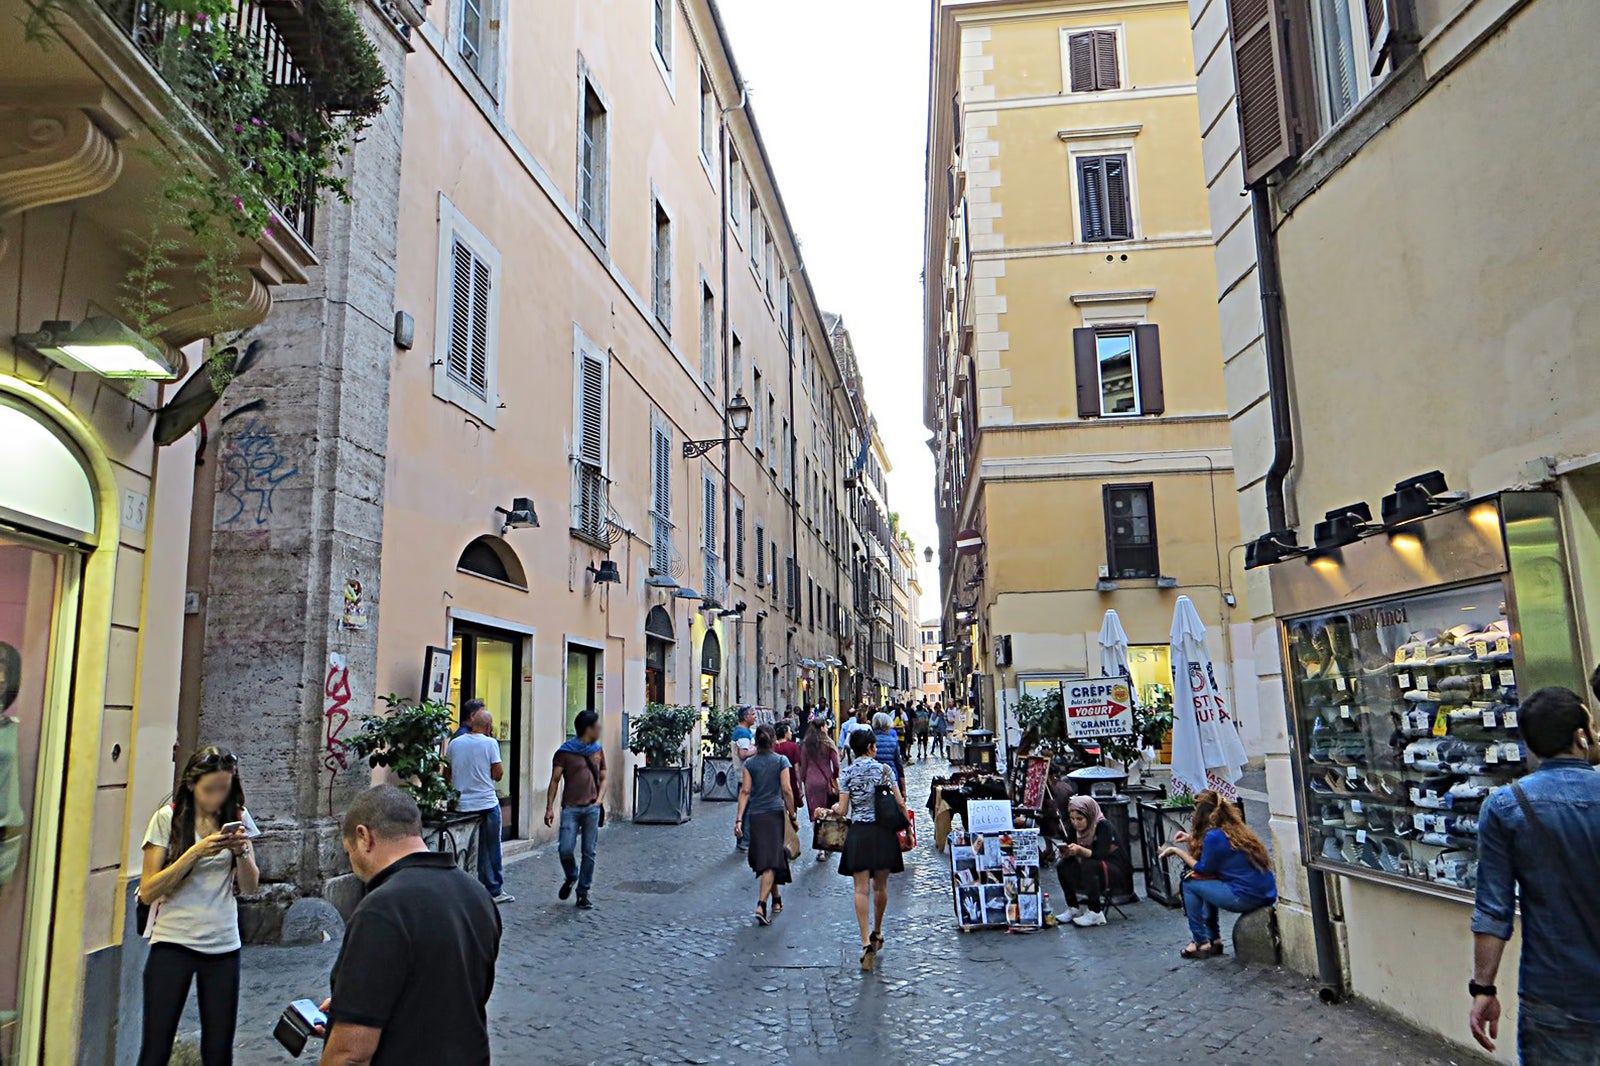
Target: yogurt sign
x: 1098, y: 707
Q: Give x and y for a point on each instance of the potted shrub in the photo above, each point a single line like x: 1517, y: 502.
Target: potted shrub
x: 717, y: 782
x: 662, y: 787
x: 408, y: 740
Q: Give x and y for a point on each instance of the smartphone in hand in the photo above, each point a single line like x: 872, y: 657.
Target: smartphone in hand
x: 233, y: 827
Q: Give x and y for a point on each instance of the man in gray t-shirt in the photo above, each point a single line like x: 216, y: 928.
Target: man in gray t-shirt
x: 473, y: 765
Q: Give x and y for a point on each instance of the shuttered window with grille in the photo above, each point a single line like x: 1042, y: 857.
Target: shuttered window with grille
x: 1105, y: 205
x: 589, y: 504
x: 1092, y: 61
x: 466, y: 316
x: 708, y: 534
x: 471, y: 284
x: 660, y: 497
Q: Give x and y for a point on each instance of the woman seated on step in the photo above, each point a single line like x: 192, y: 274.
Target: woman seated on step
x: 1091, y: 861
x: 1229, y: 870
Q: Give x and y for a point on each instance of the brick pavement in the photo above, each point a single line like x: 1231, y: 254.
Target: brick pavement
x: 670, y: 969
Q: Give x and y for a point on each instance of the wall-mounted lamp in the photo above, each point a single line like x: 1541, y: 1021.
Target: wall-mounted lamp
x: 733, y: 613
x: 927, y: 553
x: 1105, y: 585
x: 710, y: 603
x: 833, y: 662
x: 606, y: 574
x: 100, y: 345
x: 1273, y: 547
x: 1165, y: 582
x: 684, y: 592
x: 1343, y: 525
x: 1417, y: 497
x: 519, y: 516
x: 739, y: 412
x: 661, y: 581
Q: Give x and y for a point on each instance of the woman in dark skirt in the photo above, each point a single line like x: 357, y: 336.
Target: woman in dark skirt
x: 766, y: 805
x: 871, y: 852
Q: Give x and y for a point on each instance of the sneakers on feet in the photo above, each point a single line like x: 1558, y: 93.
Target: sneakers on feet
x: 584, y: 904
x: 505, y: 897
x: 566, y: 888
x: 1089, y: 919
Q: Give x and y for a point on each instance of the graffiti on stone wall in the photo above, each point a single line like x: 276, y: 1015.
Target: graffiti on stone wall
x: 336, y: 688
x: 252, y: 469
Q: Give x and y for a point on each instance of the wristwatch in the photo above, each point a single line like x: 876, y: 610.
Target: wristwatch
x: 1476, y: 989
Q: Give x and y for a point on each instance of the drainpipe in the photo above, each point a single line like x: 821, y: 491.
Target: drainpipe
x: 1330, y: 974
x: 727, y: 397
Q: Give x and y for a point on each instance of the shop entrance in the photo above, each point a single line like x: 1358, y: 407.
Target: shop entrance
x: 710, y: 668
x: 658, y: 641
x: 584, y: 684
x: 486, y: 664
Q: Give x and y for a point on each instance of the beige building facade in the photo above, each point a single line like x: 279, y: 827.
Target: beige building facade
x: 1073, y: 373
x: 1378, y: 131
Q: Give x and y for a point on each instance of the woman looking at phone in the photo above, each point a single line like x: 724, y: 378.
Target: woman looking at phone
x: 197, y: 854
x: 1229, y: 870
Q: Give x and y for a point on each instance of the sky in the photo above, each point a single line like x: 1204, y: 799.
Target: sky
x: 839, y: 88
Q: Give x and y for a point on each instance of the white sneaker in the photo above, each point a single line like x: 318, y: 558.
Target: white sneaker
x: 1077, y: 912
x: 505, y: 897
x: 1089, y: 918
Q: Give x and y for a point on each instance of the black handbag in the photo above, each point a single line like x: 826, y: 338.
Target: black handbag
x: 887, y: 810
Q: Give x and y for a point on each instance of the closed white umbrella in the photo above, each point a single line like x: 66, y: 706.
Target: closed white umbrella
x: 1113, y: 647
x: 1206, y: 749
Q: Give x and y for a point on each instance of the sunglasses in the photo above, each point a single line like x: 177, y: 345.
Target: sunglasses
x: 219, y: 760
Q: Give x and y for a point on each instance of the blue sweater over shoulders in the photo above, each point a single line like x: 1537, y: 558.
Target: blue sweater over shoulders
x: 1221, y: 861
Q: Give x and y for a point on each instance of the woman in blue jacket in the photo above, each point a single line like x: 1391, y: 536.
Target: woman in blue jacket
x: 1230, y: 870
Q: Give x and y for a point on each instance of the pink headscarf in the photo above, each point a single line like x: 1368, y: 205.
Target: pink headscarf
x: 1086, y: 806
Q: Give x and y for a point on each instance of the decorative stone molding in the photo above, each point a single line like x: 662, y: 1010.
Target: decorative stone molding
x: 191, y: 322
x: 49, y: 155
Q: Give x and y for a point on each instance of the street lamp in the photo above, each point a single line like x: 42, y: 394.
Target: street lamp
x: 739, y: 412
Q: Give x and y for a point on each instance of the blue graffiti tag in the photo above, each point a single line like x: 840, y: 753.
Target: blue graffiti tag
x: 252, y: 469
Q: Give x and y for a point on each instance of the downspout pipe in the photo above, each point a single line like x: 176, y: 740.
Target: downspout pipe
x: 1330, y: 974
x: 727, y: 397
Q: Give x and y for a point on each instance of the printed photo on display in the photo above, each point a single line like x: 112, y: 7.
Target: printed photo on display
x: 969, y: 906
x: 994, y: 904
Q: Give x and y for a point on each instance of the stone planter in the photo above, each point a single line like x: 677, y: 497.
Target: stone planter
x: 717, y: 781
x: 456, y: 833
x: 662, y: 795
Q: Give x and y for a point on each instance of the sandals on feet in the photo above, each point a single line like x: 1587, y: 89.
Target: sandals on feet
x: 761, y: 914
x: 777, y: 904
x: 869, y: 958
x: 877, y: 941
x: 1200, y: 951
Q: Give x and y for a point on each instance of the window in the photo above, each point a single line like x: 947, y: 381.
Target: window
x: 708, y: 117
x: 593, y: 175
x: 772, y: 431
x: 736, y: 369
x: 735, y: 190
x: 1131, y: 531
x: 786, y: 310
x: 1118, y: 371
x: 771, y: 260
x: 661, y: 31
x: 466, y: 325
x: 475, y: 38
x: 811, y: 603
x: 708, y: 532
x: 661, y: 268
x: 756, y: 237
x: 1340, y: 66
x: 761, y: 552
x: 589, y: 495
x: 758, y: 418
x: 1092, y: 61
x: 738, y: 535
x: 1105, y: 209
x: 788, y: 453
x: 708, y: 336
x: 660, y: 496
x: 772, y: 574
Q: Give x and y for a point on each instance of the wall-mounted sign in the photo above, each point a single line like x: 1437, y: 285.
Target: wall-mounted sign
x: 1098, y: 707
x: 435, y: 675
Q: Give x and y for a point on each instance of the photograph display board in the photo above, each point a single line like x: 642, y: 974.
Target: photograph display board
x: 1098, y: 707
x: 995, y: 879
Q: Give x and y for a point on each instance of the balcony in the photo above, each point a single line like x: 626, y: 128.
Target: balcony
x: 591, y: 504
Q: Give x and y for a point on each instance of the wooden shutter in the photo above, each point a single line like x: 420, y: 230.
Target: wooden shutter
x: 661, y: 498
x: 1091, y: 198
x: 761, y: 555
x: 1118, y: 212
x: 1086, y: 363
x: 1389, y: 30
x: 590, y: 435
x: 708, y: 525
x: 1081, y: 61
x: 1267, y: 125
x: 1105, y: 60
x: 1147, y: 349
x: 469, y: 320
x: 738, y: 537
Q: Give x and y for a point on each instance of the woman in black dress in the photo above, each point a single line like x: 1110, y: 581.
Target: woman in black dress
x: 871, y: 851
x: 766, y: 806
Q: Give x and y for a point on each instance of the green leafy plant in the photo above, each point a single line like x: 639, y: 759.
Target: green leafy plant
x: 659, y: 731
x: 1151, y: 723
x: 1044, y: 723
x: 716, y: 738
x: 407, y: 739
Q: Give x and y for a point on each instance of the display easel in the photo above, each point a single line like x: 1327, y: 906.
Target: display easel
x: 994, y: 871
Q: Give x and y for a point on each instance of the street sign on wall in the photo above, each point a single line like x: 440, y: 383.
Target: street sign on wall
x: 1098, y: 707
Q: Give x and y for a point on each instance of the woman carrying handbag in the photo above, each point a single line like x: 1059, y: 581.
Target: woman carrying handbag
x: 870, y: 797
x: 819, y: 774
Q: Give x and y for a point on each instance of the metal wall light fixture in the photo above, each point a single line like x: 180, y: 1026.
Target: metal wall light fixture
x: 606, y: 574
x: 684, y: 592
x: 100, y: 345
x: 1273, y: 547
x: 1343, y: 525
x: 739, y: 412
x: 520, y: 515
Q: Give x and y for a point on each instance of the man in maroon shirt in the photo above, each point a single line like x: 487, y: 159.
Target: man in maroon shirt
x: 787, y: 746
x: 579, y: 771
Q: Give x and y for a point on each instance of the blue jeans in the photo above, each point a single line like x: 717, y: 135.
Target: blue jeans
x: 489, y: 869
x: 573, y: 821
x: 1548, y: 1036
x: 1202, y: 902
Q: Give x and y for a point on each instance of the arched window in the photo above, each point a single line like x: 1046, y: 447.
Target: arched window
x: 493, y: 558
x: 711, y: 654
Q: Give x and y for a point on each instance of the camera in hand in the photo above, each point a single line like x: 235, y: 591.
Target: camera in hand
x: 297, y: 1024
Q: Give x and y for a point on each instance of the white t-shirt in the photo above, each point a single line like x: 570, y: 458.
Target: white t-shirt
x: 201, y: 912
x: 471, y: 757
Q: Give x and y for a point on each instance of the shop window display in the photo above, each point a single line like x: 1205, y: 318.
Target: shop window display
x: 1407, y: 717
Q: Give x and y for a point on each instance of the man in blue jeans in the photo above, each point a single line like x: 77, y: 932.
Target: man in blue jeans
x: 473, y: 765
x: 579, y: 771
x: 1542, y: 848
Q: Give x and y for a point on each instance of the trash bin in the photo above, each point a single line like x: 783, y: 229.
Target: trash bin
x: 980, y: 750
x: 1099, y: 782
x: 1116, y: 810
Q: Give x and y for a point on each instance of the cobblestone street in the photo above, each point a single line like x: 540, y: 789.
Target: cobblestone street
x: 669, y: 968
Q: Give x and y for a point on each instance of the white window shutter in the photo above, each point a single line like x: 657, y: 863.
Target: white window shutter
x: 590, y: 435
x: 468, y: 363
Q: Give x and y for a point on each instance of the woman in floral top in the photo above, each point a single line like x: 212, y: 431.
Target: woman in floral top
x: 871, y: 851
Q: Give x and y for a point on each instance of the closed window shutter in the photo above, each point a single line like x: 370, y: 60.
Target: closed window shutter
x: 1092, y: 199
x: 479, y: 382
x: 1267, y: 127
x: 661, y: 499
x: 1080, y: 58
x: 468, y: 364
x: 738, y: 539
x: 1086, y: 368
x: 708, y: 534
x: 591, y: 435
x: 1119, y: 215
x: 1147, y: 349
x: 1105, y: 60
x: 761, y: 555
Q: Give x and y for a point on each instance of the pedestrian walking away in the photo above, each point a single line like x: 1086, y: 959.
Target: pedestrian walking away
x: 1229, y: 870
x: 937, y: 724
x: 474, y: 766
x: 786, y: 745
x: 819, y: 774
x: 1539, y: 847
x: 923, y: 729
x: 887, y: 748
x: 766, y: 808
x: 412, y: 980
x: 197, y: 855
x: 579, y: 771
x: 861, y: 721
x: 871, y: 850
x: 744, y: 746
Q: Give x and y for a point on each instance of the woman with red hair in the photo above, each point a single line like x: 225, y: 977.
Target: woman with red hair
x: 1230, y: 870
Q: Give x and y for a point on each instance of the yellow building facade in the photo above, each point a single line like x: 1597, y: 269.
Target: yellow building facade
x: 1074, y: 375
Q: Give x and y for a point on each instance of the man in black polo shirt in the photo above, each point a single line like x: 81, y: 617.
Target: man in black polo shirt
x: 417, y: 964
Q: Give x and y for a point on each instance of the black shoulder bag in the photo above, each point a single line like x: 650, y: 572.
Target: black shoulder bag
x: 1548, y: 842
x: 601, y: 800
x: 886, y: 808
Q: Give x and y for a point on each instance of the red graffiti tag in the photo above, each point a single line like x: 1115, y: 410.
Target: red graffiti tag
x: 337, y: 688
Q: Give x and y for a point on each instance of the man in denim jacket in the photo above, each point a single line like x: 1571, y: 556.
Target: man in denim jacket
x: 1553, y: 867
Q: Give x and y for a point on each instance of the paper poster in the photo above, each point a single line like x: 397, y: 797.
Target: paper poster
x: 1035, y: 778
x: 1098, y: 707
x: 995, y: 880
x: 989, y: 816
